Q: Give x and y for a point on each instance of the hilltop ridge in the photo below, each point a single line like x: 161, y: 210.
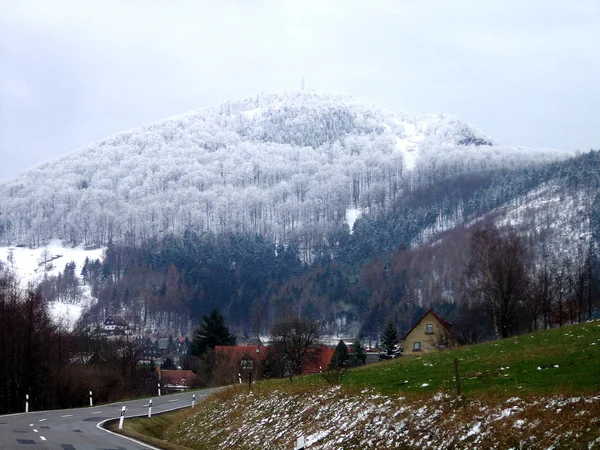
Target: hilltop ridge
x: 291, y: 166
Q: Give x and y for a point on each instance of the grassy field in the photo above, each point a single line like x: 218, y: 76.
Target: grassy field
x: 562, y: 360
x: 529, y: 379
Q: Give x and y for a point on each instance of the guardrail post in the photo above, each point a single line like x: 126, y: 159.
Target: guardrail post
x: 122, y: 417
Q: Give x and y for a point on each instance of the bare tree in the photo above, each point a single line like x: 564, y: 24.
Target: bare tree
x: 293, y: 337
x: 496, y: 276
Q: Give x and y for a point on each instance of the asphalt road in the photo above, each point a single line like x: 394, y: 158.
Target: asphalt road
x: 80, y: 429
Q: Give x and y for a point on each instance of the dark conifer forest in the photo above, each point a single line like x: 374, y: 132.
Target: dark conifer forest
x: 394, y: 265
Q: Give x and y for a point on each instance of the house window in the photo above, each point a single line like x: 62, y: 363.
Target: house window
x: 416, y: 346
x: 429, y: 328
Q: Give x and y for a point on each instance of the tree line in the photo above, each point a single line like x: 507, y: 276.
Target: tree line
x: 55, y: 367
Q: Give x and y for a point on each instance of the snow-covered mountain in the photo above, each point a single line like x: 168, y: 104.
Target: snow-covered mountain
x: 298, y: 165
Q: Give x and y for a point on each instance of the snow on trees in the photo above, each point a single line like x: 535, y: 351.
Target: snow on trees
x: 286, y: 166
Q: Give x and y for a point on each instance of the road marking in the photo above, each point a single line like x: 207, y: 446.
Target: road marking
x: 67, y: 415
x: 42, y: 438
x: 30, y: 424
x: 35, y: 431
x: 171, y: 401
x: 41, y: 420
x: 96, y: 412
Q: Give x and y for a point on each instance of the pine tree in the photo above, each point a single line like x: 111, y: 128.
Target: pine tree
x: 211, y: 333
x: 341, y: 356
x: 389, y: 342
x: 359, y: 355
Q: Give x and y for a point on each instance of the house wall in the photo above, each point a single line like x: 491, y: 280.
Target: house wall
x: 428, y: 342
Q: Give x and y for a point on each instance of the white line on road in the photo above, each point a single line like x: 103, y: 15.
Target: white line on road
x: 96, y: 412
x: 67, y: 415
x: 171, y: 401
x: 41, y: 420
x: 30, y: 424
x: 35, y: 431
x: 42, y: 438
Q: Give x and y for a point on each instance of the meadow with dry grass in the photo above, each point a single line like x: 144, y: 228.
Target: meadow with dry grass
x: 533, y: 391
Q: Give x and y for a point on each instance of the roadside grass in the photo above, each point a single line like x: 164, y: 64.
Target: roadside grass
x: 152, y: 430
x: 534, y: 368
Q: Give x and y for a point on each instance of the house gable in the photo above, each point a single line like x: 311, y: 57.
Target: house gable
x: 430, y: 333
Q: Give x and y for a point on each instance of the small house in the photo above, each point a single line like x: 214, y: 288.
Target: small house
x: 177, y: 380
x: 430, y: 333
x: 114, y: 324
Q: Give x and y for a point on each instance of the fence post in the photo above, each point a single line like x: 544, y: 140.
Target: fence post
x: 457, y: 376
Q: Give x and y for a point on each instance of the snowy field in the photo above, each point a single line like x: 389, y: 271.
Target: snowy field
x: 28, y: 265
x: 331, y: 418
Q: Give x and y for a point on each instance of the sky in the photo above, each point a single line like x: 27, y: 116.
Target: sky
x: 74, y: 71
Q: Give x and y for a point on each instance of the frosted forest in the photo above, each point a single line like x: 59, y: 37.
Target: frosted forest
x: 296, y: 167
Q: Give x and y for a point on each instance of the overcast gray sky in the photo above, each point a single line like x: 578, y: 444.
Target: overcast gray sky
x: 525, y: 72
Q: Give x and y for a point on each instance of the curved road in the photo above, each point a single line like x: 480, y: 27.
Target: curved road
x: 79, y: 429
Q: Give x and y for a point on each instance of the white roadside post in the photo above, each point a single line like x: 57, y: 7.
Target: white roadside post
x: 159, y: 389
x: 193, y: 400
x: 26, y: 402
x: 122, y: 417
x: 300, y: 445
x: 240, y: 377
x: 91, y: 401
x: 150, y: 408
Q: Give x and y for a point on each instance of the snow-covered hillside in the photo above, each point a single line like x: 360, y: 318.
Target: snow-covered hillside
x: 284, y: 165
x: 31, y: 266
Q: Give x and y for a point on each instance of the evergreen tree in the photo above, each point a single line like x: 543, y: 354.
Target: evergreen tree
x: 168, y: 364
x: 341, y: 356
x: 389, y: 342
x: 359, y: 355
x: 211, y: 333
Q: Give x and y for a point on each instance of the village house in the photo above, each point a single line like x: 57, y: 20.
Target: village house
x: 177, y: 380
x: 148, y: 353
x: 430, y: 333
x: 115, y: 325
x: 229, y: 360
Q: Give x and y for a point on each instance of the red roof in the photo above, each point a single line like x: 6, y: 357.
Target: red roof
x: 447, y: 325
x: 176, y: 377
x: 237, y: 352
x: 321, y: 355
x: 321, y: 360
